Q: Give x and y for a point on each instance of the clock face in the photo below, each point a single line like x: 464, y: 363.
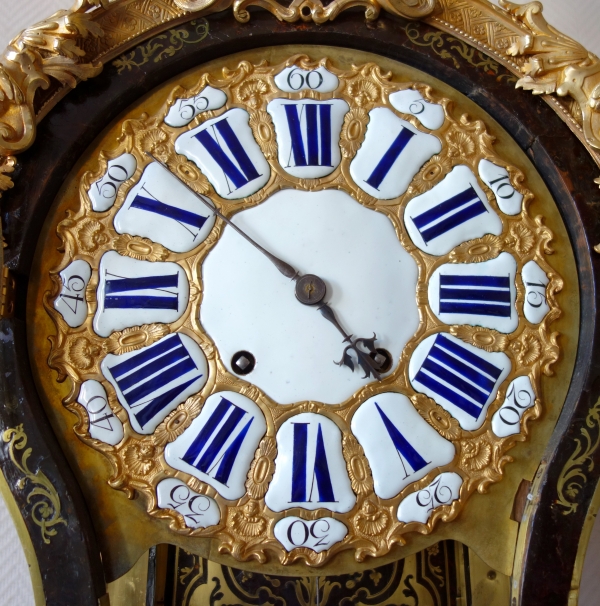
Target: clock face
x: 303, y: 309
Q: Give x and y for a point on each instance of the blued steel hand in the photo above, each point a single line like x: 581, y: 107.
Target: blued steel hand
x: 365, y: 361
x: 310, y: 290
x: 285, y: 268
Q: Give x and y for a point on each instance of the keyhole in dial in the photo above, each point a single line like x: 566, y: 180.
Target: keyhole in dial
x: 383, y: 359
x: 243, y: 363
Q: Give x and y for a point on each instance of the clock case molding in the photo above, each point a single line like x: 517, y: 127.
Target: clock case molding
x: 481, y: 50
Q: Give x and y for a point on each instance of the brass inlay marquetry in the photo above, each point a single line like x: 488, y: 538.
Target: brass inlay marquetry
x: 45, y: 510
x: 574, y: 473
x: 161, y: 46
x: 436, y: 576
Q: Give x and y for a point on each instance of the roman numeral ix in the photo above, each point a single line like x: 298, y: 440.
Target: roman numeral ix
x: 114, y: 286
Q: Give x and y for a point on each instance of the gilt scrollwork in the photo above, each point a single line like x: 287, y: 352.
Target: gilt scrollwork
x: 574, y: 474
x: 49, y: 49
x: 60, y: 48
x: 307, y: 10
x: 138, y: 462
x: 7, y: 166
x: 546, y: 61
x: 557, y: 64
x: 54, y: 50
x: 316, y: 11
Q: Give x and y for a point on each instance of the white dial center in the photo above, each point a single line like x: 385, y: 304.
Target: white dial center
x: 249, y: 306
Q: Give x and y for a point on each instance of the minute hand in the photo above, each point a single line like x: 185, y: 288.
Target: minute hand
x: 285, y: 268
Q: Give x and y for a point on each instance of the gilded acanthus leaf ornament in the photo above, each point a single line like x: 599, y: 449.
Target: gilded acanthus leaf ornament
x: 315, y: 10
x: 49, y: 49
x: 546, y: 61
x: 247, y: 528
x: 54, y: 49
x: 557, y: 64
x: 7, y: 165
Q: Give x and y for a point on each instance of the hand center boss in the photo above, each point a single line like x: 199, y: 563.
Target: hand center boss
x: 310, y: 290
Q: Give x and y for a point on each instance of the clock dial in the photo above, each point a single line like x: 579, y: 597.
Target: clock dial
x: 326, y: 233
x: 361, y: 398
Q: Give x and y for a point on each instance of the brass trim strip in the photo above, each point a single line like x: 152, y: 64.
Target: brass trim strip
x: 584, y: 540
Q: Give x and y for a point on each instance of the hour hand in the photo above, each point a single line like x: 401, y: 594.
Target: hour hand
x: 311, y: 290
x: 369, y: 361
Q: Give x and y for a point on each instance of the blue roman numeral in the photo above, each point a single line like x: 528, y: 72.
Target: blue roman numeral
x: 449, y: 214
x: 405, y: 450
x: 468, y: 378
x: 120, y: 284
x: 299, y: 464
x: 238, y: 176
x: 475, y: 295
x: 203, y: 453
x: 318, y: 134
x: 140, y: 376
x: 391, y: 155
x: 184, y: 217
